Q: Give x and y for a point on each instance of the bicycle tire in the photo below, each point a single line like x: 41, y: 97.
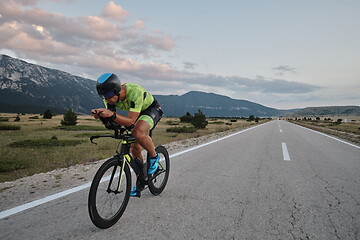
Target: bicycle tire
x: 103, y: 194
x: 158, y: 180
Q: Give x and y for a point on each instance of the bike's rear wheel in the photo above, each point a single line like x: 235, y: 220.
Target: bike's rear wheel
x: 107, y: 202
x: 158, y: 180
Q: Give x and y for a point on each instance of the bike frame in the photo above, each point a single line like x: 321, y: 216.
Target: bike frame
x: 124, y: 155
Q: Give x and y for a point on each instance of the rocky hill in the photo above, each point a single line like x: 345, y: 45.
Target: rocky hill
x: 214, y: 105
x: 23, y: 83
x: 329, y: 111
x: 30, y: 88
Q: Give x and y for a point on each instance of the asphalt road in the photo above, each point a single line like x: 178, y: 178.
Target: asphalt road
x: 275, y: 181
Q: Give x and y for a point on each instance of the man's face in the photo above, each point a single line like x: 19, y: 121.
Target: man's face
x: 112, y: 100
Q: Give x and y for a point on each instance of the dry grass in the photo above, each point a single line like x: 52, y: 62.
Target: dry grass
x: 16, y: 162
x: 349, y: 131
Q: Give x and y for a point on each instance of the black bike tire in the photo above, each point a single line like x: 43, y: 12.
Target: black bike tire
x: 154, y: 189
x: 93, y: 212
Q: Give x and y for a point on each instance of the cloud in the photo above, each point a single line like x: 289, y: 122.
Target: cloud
x: 189, y: 65
x: 281, y: 69
x: 107, y: 43
x: 85, y: 32
x: 139, y: 24
x: 113, y: 11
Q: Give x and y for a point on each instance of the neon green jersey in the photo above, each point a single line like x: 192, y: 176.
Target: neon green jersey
x: 136, y: 100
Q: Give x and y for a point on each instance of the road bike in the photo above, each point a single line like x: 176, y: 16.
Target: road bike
x: 110, y: 189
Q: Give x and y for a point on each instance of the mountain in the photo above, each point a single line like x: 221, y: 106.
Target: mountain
x: 23, y: 83
x: 12, y: 108
x: 213, y: 105
x: 30, y: 88
x: 328, y: 111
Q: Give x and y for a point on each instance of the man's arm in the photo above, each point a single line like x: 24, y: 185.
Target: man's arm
x: 128, y: 120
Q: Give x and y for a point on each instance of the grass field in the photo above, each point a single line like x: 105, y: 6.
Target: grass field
x: 42, y: 145
x: 349, y: 130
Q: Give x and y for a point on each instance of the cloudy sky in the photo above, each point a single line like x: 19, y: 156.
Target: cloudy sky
x: 282, y: 54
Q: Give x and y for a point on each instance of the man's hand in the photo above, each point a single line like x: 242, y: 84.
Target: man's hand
x: 101, y: 112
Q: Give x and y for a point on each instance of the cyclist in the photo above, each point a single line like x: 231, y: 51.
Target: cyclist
x: 144, y: 112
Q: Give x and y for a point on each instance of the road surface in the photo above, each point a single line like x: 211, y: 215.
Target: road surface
x: 274, y: 181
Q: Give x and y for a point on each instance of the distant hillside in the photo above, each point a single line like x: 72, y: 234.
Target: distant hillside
x: 11, y: 108
x: 30, y: 88
x: 23, y: 83
x: 213, y: 105
x: 328, y: 111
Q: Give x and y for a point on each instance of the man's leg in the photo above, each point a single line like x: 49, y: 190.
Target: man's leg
x: 140, y: 132
x: 136, y: 151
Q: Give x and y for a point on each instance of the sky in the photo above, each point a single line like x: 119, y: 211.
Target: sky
x: 283, y: 54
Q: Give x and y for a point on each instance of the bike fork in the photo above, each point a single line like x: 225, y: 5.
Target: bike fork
x: 121, y: 175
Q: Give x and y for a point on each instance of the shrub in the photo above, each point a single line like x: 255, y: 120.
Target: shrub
x: 186, y: 118
x: 10, y: 165
x: 45, y: 143
x: 217, y: 122
x: 172, y: 123
x: 9, y: 127
x: 199, y: 120
x: 48, y: 114
x: 34, y: 117
x: 70, y: 118
x: 4, y: 119
x: 251, y: 118
x: 181, y: 129
x: 17, y: 119
x: 81, y: 128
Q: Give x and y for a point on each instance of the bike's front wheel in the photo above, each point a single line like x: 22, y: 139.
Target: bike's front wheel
x: 158, y: 180
x: 109, y: 193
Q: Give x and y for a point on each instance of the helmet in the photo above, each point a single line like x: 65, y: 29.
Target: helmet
x: 108, y: 83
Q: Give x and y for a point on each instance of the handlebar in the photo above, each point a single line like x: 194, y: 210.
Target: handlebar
x: 99, y: 136
x: 119, y: 133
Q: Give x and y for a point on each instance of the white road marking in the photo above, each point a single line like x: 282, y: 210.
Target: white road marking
x: 38, y: 202
x: 285, y: 152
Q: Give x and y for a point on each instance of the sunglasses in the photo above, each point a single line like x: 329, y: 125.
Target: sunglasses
x: 108, y: 95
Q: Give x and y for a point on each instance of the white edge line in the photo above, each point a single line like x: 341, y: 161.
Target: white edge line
x: 38, y: 202
x: 337, y: 139
x: 285, y: 152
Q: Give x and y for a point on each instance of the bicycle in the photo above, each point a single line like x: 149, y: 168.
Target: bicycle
x: 110, y: 189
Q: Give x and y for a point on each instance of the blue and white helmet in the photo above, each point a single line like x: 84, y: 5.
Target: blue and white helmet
x: 108, y: 83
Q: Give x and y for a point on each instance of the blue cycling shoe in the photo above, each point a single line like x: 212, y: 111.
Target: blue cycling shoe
x: 134, y: 192
x: 154, y: 164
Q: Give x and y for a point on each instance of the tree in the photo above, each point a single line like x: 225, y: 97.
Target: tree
x: 186, y: 118
x: 70, y: 118
x: 199, y: 120
x: 17, y: 119
x: 48, y: 114
x: 251, y: 118
x: 257, y: 119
